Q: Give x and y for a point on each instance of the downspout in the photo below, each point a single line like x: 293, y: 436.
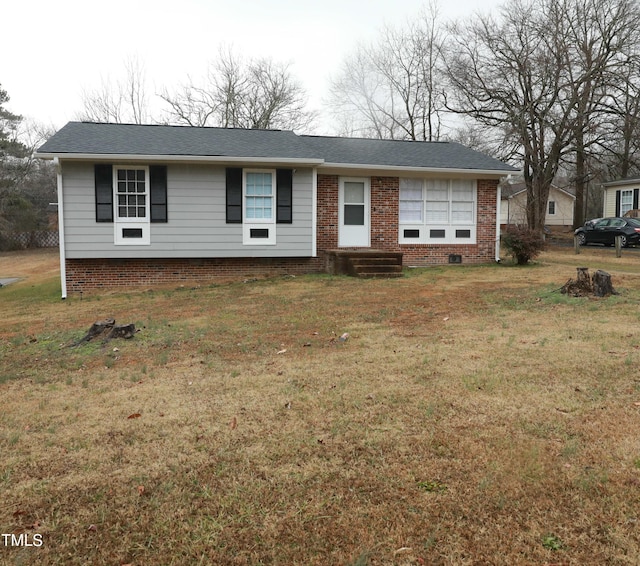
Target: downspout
x: 498, y: 202
x: 314, y: 212
x: 61, y: 242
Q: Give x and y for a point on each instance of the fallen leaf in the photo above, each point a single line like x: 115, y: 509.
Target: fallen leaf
x: 445, y: 318
x: 134, y: 416
x: 637, y: 403
x: 140, y: 489
x: 92, y: 528
x: 282, y: 351
x: 234, y: 423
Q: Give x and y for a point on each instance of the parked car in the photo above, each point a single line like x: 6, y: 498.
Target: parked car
x: 605, y: 230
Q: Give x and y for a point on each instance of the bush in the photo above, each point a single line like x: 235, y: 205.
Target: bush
x: 523, y: 243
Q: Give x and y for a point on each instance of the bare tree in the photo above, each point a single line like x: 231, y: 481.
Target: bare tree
x: 540, y: 73
x: 124, y: 101
x: 392, y: 89
x: 618, y: 151
x: 602, y: 36
x: 259, y: 93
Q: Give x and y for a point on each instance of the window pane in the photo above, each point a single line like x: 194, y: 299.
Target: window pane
x: 354, y: 193
x: 437, y: 190
x: 410, y: 187
x: 411, y: 203
x: 437, y: 212
x: 462, y: 212
x: 411, y: 211
x: 354, y: 215
x: 258, y: 196
x: 462, y: 190
x: 258, y: 184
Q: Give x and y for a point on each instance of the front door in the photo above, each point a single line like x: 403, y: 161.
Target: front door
x: 354, y: 217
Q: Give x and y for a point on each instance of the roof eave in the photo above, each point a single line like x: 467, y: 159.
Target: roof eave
x: 414, y: 169
x: 297, y: 161
x: 621, y: 183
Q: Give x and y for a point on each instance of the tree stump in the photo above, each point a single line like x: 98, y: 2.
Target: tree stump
x: 583, y: 277
x: 598, y: 285
x: 602, y: 286
x: 98, y: 328
x: 107, y: 330
x: 578, y: 287
x: 125, y: 331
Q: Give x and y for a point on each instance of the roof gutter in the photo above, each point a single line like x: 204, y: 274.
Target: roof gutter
x: 403, y: 168
x: 297, y: 161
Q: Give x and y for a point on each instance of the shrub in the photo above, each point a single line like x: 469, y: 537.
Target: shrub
x: 523, y: 243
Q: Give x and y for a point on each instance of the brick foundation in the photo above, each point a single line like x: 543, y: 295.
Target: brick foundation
x: 87, y: 274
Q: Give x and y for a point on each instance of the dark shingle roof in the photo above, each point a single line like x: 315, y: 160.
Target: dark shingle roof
x: 395, y: 153
x: 127, y: 139
x: 131, y: 139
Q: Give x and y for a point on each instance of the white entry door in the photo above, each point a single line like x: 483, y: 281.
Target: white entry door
x: 354, y: 215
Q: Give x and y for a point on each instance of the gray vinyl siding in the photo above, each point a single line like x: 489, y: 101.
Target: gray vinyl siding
x: 196, y: 224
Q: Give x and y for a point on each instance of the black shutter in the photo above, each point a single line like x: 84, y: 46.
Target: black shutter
x: 158, y: 196
x: 636, y: 193
x: 284, y: 196
x: 234, y: 195
x: 618, y: 194
x: 103, y: 174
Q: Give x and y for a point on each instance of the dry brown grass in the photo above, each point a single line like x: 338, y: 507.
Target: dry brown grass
x: 474, y: 416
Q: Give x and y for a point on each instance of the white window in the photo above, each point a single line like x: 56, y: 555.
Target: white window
x: 131, y: 191
x: 259, y: 224
x: 411, y: 201
x: 626, y: 201
x: 437, y: 211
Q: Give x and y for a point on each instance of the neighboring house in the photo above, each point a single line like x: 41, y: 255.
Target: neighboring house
x: 620, y: 197
x: 143, y: 205
x: 560, y: 206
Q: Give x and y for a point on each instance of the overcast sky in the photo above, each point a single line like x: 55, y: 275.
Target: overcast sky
x: 53, y: 50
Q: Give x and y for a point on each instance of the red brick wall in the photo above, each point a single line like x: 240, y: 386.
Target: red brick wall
x: 384, y: 223
x: 87, y: 274
x: 327, y: 227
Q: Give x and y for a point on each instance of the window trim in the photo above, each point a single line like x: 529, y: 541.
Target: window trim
x: 451, y: 228
x: 120, y: 224
x: 249, y: 224
x: 623, y: 211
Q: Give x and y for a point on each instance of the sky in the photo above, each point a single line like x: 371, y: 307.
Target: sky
x: 53, y: 51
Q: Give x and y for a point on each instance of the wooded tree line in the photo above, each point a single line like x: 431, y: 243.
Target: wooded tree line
x: 27, y: 185
x: 551, y: 86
